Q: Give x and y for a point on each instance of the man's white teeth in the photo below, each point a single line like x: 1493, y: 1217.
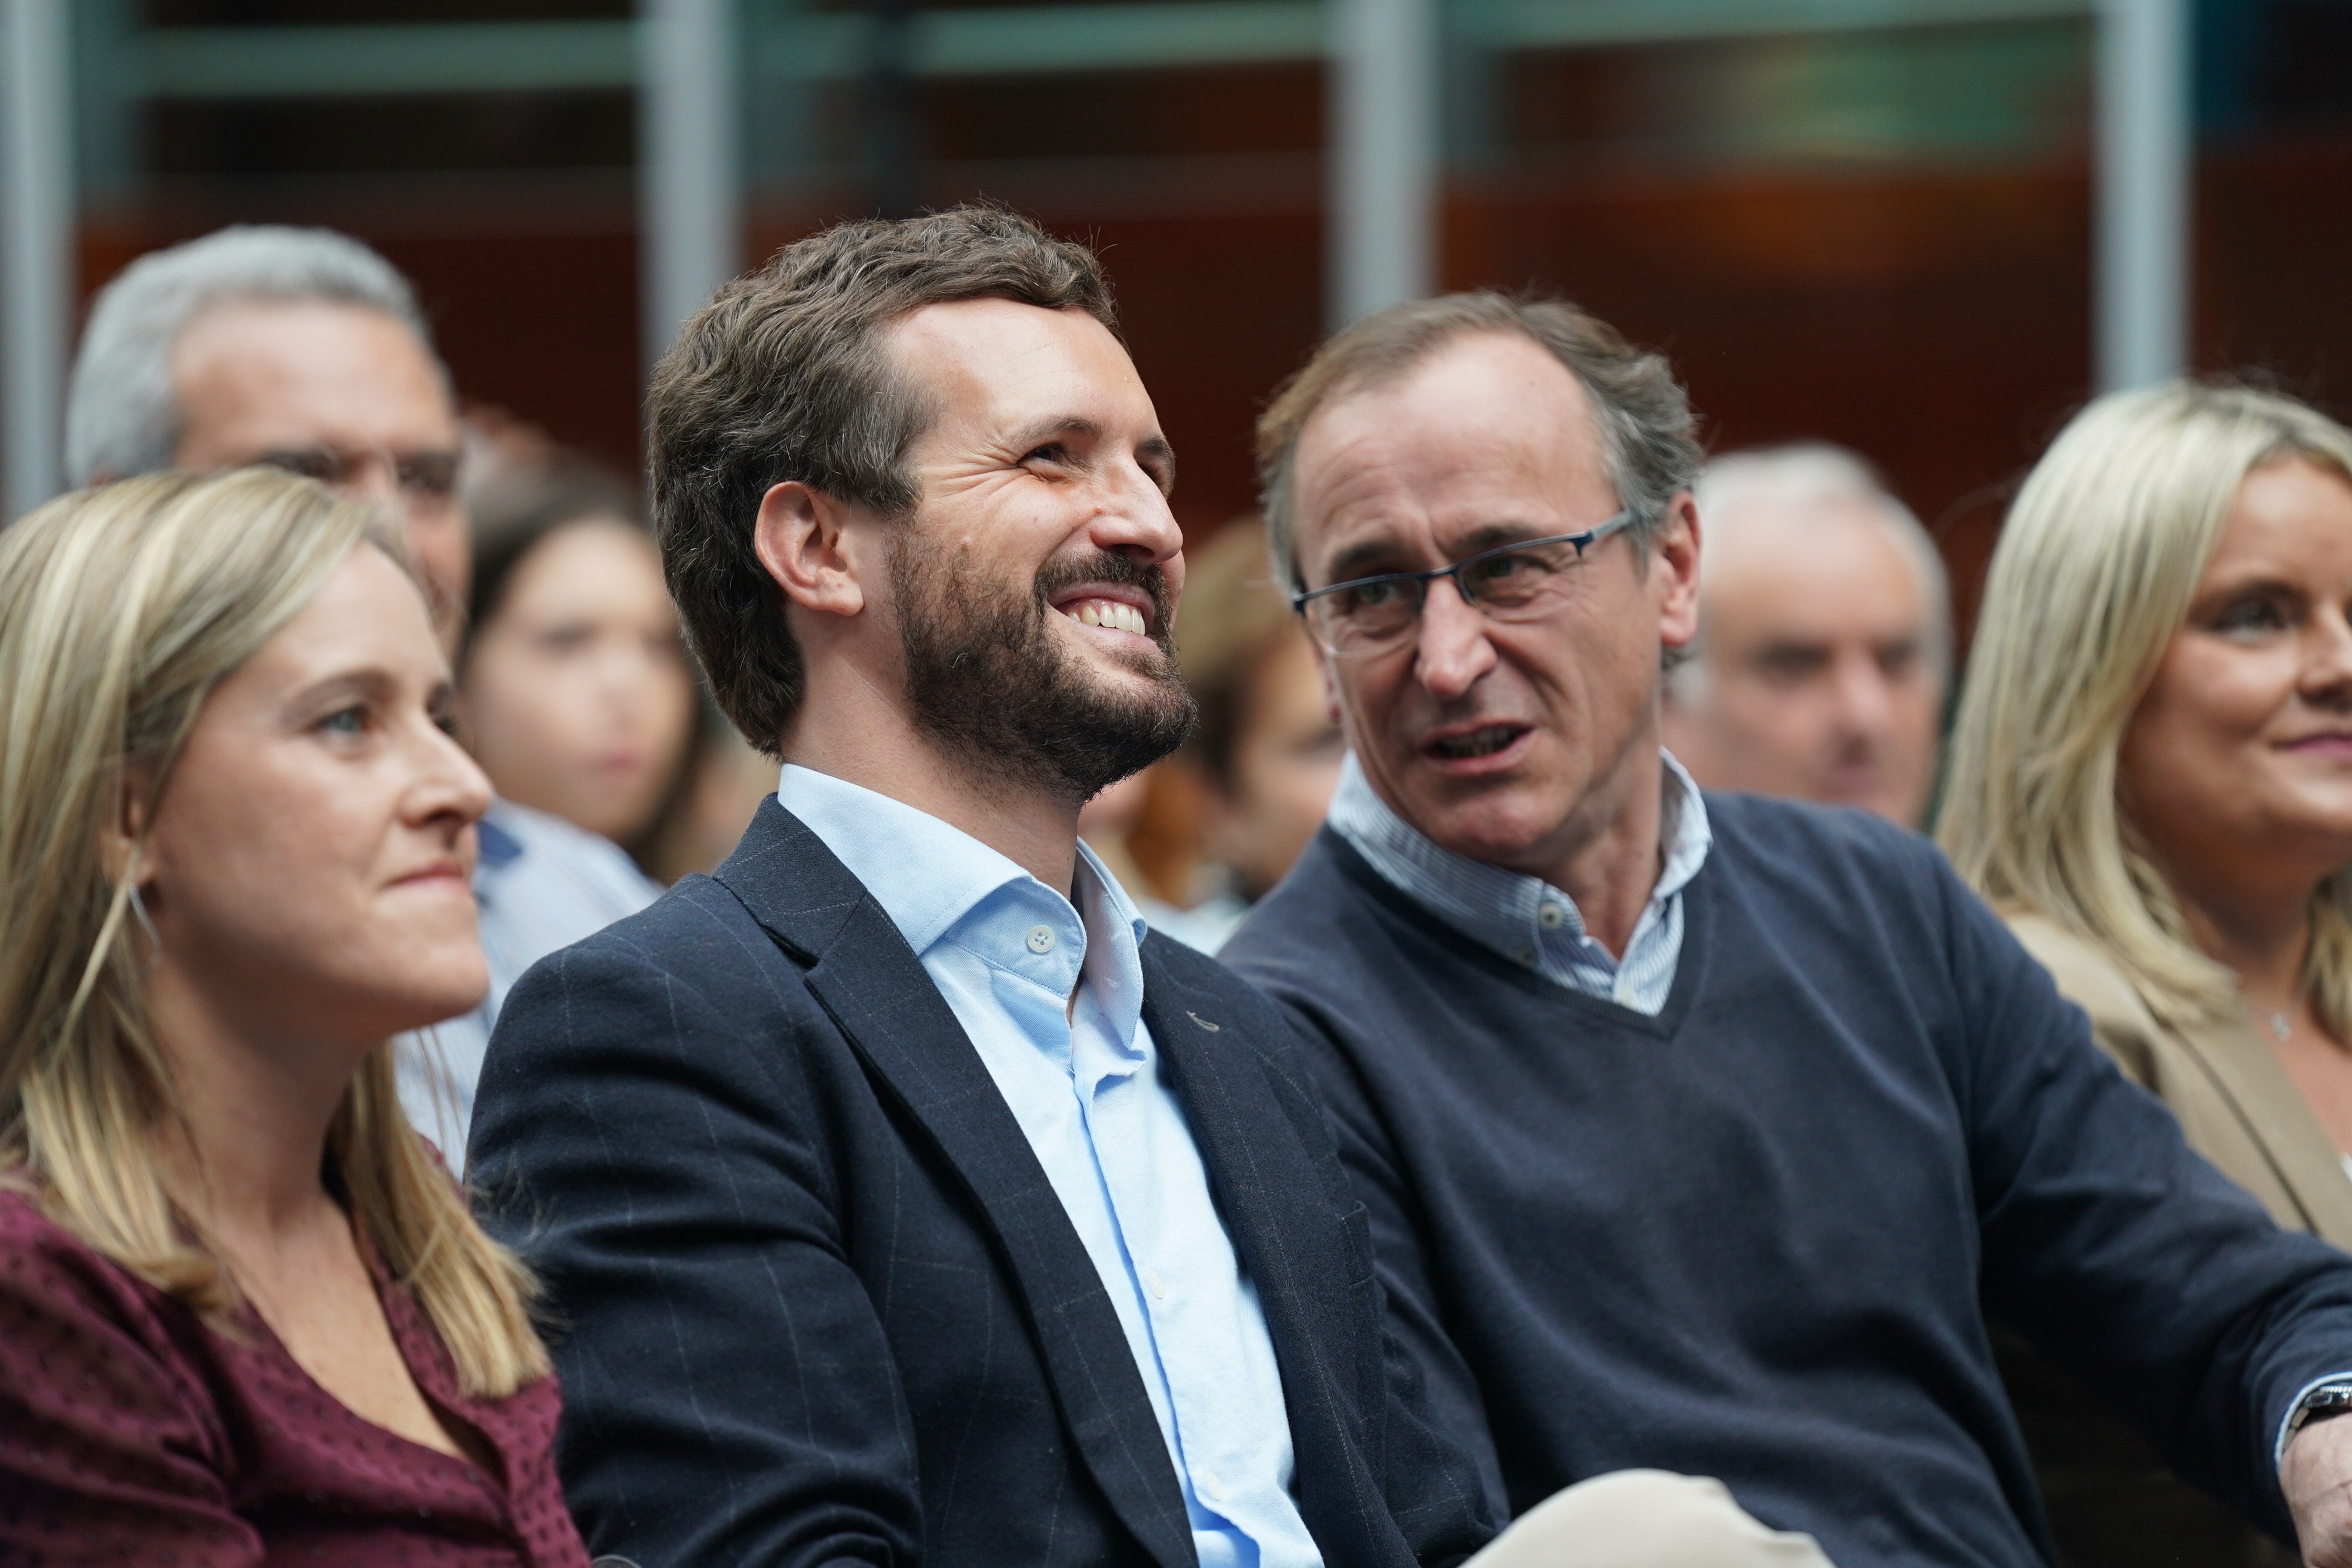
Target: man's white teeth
x: 1109, y: 613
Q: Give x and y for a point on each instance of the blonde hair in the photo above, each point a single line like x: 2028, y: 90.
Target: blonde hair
x: 121, y: 608
x: 2096, y: 566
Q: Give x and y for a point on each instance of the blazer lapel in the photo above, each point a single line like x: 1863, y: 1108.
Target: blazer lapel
x: 876, y: 989
x: 1276, y: 1203
x: 2249, y: 1076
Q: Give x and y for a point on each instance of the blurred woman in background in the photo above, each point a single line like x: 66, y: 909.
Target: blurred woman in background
x: 573, y: 686
x: 519, y: 483
x: 1268, y: 749
x: 244, y: 1312
x: 2151, y: 776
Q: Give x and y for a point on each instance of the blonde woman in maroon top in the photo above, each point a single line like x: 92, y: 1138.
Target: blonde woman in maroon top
x: 244, y: 1315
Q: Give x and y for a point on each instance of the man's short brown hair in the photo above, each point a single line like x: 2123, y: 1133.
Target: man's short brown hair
x: 1647, y: 434
x: 783, y: 376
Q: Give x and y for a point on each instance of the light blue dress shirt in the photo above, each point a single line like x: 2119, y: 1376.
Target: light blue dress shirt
x: 1087, y: 1086
x: 1526, y: 919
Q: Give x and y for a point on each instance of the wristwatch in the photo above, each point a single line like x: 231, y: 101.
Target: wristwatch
x: 2329, y: 1399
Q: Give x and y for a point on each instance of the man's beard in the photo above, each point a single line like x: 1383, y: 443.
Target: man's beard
x: 987, y: 674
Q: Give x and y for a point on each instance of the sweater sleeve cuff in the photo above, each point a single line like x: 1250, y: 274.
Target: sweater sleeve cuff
x: 2294, y: 1409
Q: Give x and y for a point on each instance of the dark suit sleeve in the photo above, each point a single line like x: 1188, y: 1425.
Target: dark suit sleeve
x: 1442, y: 1480
x: 2118, y: 1250
x: 728, y: 1396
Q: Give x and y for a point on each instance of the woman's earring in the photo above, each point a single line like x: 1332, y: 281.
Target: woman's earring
x: 138, y: 914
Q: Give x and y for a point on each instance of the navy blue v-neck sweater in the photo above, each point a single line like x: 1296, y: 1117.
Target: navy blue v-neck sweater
x: 1754, y: 1237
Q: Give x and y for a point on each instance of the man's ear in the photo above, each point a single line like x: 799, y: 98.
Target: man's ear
x: 1334, y: 704
x: 1676, y: 550
x: 799, y: 537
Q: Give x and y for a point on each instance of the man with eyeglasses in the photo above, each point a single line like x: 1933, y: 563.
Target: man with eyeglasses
x: 1697, y: 1132
x: 304, y: 348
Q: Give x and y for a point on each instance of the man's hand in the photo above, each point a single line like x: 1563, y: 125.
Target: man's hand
x: 2316, y: 1475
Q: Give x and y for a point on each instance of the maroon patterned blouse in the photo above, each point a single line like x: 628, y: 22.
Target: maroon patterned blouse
x: 129, y: 1433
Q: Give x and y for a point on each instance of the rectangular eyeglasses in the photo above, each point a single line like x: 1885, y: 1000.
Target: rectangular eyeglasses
x: 1522, y: 582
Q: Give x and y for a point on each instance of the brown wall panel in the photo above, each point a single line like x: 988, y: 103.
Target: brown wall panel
x: 2275, y: 266
x: 543, y: 325
x: 1218, y: 311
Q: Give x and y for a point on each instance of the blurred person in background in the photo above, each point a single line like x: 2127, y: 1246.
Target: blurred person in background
x: 299, y: 348
x: 1108, y: 824
x: 2152, y: 781
x: 1824, y: 640
x: 724, y: 783
x: 1267, y: 750
x: 574, y: 690
x: 302, y: 349
x: 243, y: 1313
x: 515, y: 472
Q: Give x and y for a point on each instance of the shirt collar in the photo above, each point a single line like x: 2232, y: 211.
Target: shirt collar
x: 1114, y: 933
x: 1499, y: 907
x: 1692, y: 835
x: 926, y: 875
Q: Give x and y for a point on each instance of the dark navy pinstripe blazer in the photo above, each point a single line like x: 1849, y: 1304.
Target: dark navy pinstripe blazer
x: 813, y: 1300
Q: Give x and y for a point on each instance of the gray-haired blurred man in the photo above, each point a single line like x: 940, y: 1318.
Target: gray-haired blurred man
x: 1824, y: 636
x: 299, y: 348
x: 303, y: 349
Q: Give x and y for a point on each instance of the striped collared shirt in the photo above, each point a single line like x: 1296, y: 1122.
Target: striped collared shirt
x: 1526, y: 919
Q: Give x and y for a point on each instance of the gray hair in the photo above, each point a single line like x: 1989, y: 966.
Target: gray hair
x: 1810, y: 474
x: 1642, y: 413
x: 122, y: 417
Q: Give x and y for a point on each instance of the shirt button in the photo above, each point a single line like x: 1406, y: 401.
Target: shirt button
x: 1040, y: 938
x: 1551, y: 916
x: 1527, y: 955
x: 1151, y: 1281
x: 1210, y: 1488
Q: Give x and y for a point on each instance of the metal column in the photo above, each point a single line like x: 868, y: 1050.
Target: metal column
x: 1381, y: 234
x: 689, y: 203
x: 36, y: 245
x: 2145, y: 134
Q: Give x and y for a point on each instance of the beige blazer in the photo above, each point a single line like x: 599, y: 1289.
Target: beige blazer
x: 2110, y: 1500
x: 2235, y: 1101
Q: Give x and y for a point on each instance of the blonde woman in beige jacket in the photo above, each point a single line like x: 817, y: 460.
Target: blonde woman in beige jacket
x: 2151, y: 777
